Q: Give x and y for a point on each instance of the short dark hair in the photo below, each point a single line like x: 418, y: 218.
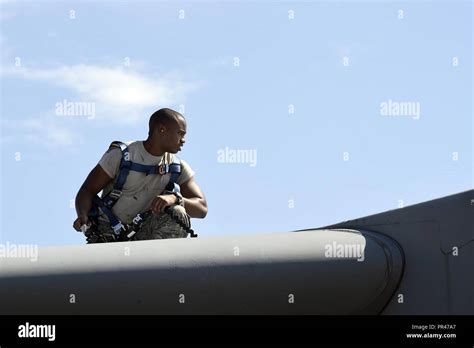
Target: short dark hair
x: 163, y: 116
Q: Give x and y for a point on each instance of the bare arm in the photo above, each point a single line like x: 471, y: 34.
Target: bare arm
x: 94, y: 183
x: 194, y: 201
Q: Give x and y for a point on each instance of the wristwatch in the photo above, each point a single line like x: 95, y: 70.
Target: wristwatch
x: 179, y: 198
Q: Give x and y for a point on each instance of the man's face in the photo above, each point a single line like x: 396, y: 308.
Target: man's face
x: 173, y: 136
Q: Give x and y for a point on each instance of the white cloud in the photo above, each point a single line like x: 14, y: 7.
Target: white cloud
x: 5, y: 12
x: 121, y: 95
x: 41, y: 131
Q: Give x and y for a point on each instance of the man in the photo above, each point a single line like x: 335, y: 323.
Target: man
x: 141, y: 191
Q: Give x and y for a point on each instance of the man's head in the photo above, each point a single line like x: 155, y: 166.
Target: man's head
x: 168, y: 128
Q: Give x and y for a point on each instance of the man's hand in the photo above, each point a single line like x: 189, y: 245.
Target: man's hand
x: 162, y: 201
x: 97, y: 180
x: 81, y: 221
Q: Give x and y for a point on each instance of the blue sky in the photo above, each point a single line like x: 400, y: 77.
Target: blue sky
x: 299, y: 83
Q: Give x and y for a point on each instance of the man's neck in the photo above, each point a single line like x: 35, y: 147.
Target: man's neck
x: 153, y: 148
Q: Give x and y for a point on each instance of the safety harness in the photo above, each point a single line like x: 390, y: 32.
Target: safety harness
x: 105, y: 204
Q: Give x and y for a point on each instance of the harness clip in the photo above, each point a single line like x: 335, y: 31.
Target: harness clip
x: 136, y: 220
x: 163, y: 169
x: 115, y: 194
x: 118, y: 228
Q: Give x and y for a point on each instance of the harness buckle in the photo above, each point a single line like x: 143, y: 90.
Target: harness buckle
x: 137, y: 219
x: 163, y: 169
x: 115, y: 194
x: 118, y: 229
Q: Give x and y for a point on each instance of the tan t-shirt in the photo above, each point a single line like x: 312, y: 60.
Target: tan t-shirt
x: 139, y: 189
